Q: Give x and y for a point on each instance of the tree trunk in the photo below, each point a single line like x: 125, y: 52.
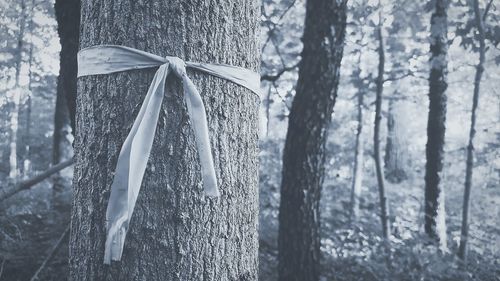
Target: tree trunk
x: 68, y: 21
x: 16, y: 98
x: 304, y: 153
x: 357, y: 180
x: 268, y: 109
x: 435, y: 225
x: 176, y: 233
x: 394, y: 158
x: 27, y: 161
x: 68, y: 27
x: 384, y: 217
x: 462, y: 250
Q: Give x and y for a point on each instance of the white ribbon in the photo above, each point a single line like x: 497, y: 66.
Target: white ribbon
x: 134, y: 154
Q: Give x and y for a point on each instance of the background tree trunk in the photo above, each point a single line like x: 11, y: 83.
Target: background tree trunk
x: 395, y: 149
x: 304, y: 152
x: 68, y: 22
x: 435, y: 225
x: 462, y: 250
x: 16, y: 98
x: 176, y: 233
x: 27, y: 160
x: 68, y: 28
x: 357, y: 180
x: 384, y: 217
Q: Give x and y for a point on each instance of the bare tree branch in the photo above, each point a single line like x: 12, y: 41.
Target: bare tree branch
x: 275, y: 77
x: 12, y: 189
x: 487, y: 9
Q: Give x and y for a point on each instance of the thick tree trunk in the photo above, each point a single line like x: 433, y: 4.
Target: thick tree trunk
x: 176, y: 233
x: 394, y: 158
x: 16, y: 98
x: 304, y: 153
x: 384, y: 217
x: 462, y: 250
x: 357, y: 180
x: 435, y: 225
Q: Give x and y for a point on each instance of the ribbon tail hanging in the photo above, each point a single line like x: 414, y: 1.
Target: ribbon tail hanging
x: 131, y: 166
x: 198, y: 117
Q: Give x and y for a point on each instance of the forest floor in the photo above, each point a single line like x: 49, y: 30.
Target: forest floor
x: 350, y: 250
x: 30, y: 228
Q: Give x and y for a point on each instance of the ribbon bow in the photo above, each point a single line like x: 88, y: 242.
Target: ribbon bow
x: 134, y: 154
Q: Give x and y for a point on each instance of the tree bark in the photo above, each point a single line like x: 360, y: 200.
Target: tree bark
x: 394, y: 158
x: 176, y: 233
x: 304, y: 152
x: 462, y: 250
x: 435, y: 225
x: 384, y: 217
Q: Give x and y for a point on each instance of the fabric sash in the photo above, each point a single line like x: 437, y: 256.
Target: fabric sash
x: 134, y: 154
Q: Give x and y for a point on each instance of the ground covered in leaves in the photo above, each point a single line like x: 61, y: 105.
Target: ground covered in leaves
x: 29, y: 229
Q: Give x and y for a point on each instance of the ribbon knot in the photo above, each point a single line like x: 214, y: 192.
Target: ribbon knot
x: 134, y: 153
x: 177, y: 65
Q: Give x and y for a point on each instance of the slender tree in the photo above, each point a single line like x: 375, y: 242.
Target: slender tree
x: 357, y: 179
x: 176, y: 233
x: 384, y: 217
x: 27, y: 161
x: 462, y: 250
x: 304, y: 152
x: 435, y: 225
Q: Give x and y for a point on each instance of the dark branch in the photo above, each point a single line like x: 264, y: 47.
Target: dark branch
x: 487, y: 9
x: 275, y: 25
x: 275, y: 77
x: 12, y: 189
x: 394, y: 78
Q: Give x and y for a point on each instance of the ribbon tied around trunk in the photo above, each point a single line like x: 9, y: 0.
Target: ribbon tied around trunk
x: 134, y: 153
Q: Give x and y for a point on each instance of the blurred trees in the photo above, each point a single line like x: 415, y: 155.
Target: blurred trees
x: 304, y: 152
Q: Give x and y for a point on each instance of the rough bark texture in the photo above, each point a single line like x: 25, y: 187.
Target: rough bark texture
x: 394, y: 158
x: 304, y: 152
x: 176, y: 233
x: 462, y: 250
x: 384, y: 217
x: 434, y: 210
